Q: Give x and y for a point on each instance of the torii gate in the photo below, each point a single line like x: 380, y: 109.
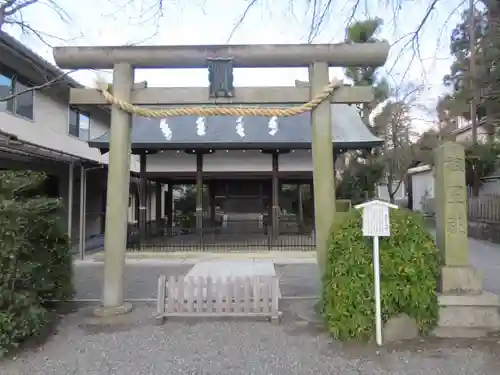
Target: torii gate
x: 126, y: 98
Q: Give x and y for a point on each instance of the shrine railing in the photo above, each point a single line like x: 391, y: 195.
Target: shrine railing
x: 237, y: 235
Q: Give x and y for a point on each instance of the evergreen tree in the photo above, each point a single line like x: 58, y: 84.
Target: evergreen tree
x: 360, y: 171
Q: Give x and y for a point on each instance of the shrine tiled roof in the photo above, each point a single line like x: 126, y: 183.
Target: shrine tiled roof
x: 233, y: 133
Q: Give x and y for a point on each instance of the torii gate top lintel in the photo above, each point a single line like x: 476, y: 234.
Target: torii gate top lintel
x: 245, y: 56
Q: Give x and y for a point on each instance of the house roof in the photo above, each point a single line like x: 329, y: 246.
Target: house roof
x: 420, y: 168
x: 48, y: 71
x: 16, y: 56
x: 467, y: 127
x: 223, y: 132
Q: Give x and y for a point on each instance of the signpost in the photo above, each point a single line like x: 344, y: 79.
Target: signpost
x: 376, y: 224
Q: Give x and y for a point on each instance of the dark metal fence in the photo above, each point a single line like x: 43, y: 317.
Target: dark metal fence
x: 248, y: 235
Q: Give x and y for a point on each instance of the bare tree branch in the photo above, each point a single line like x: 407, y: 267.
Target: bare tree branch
x: 12, y: 13
x: 242, y: 18
x: 149, y: 12
x: 353, y: 14
x: 394, y: 125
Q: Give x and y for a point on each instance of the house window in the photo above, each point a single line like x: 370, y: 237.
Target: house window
x: 23, y: 103
x: 79, y: 124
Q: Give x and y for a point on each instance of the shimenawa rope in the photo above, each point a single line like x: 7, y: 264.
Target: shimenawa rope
x: 204, y: 111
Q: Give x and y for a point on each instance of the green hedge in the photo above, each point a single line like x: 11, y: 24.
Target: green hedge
x: 409, y: 273
x: 35, y: 257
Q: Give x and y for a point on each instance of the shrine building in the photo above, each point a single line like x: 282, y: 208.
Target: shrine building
x: 232, y: 183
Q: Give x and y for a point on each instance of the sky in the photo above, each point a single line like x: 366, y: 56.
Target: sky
x: 187, y: 22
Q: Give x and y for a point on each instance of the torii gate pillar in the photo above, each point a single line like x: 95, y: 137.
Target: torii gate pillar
x: 322, y: 155
x: 117, y: 195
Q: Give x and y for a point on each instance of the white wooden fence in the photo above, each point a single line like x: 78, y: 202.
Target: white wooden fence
x: 249, y: 296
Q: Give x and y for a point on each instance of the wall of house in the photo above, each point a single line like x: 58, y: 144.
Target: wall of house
x: 132, y: 219
x: 423, y: 186
x: 490, y: 186
x: 96, y: 183
x: 50, y: 126
x: 95, y: 187
x: 151, y: 199
x: 466, y: 136
x: 399, y: 188
x: 229, y: 161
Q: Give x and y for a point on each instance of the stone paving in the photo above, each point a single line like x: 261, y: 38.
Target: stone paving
x: 141, y: 279
x: 486, y: 257
x: 296, y: 279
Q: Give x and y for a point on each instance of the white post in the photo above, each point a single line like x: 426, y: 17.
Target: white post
x: 83, y: 206
x: 71, y: 185
x: 378, y: 307
x: 376, y: 224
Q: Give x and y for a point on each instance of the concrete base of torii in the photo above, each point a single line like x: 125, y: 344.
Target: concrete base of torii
x: 107, y: 311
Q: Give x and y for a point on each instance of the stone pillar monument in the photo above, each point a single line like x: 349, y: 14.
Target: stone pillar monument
x: 465, y: 309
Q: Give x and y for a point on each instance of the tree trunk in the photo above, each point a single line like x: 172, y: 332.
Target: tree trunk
x: 391, y: 197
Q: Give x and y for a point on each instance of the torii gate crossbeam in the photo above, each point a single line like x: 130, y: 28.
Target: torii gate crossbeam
x: 244, y: 56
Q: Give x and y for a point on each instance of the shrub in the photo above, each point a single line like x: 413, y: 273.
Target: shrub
x: 35, y: 258
x: 409, y: 265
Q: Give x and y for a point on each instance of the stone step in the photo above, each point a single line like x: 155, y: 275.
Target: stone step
x: 462, y: 332
x: 469, y: 311
x: 469, y: 316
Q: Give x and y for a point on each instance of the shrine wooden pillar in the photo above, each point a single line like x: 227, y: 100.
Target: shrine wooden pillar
x: 275, y: 196
x: 211, y: 192
x: 143, y: 198
x: 149, y: 207
x: 136, y: 205
x: 300, y: 205
x: 199, y: 194
x: 169, y: 201
x: 268, y: 191
x: 158, y: 210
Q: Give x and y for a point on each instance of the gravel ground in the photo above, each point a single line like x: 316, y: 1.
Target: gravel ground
x: 134, y: 346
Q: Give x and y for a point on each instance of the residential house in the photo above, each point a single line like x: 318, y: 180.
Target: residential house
x: 40, y: 131
x: 463, y: 133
